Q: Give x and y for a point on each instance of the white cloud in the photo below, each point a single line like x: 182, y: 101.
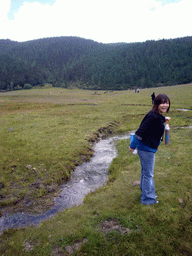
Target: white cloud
x: 5, y: 6
x: 31, y: 21
x: 172, y: 20
x: 102, y: 20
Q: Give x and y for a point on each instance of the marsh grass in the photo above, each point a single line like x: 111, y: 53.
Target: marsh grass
x: 49, y: 130
x: 55, y: 137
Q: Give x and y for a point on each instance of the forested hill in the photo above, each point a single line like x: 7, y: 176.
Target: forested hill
x: 73, y: 61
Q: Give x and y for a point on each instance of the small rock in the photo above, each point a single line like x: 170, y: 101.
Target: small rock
x: 69, y: 249
x: 113, y: 225
x: 135, y: 183
x: 57, y: 251
x: 180, y: 200
x: 28, y: 247
x: 28, y: 167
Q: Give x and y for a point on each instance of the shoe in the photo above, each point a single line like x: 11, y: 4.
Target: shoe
x: 156, y: 196
x: 157, y: 202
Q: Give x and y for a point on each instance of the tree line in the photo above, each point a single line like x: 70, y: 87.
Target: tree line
x: 72, y: 61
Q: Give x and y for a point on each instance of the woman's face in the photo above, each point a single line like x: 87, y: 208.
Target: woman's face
x: 162, y: 108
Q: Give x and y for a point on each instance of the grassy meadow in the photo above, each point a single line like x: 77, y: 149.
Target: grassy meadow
x: 46, y: 133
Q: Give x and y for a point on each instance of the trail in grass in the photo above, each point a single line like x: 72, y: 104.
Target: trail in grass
x: 86, y: 178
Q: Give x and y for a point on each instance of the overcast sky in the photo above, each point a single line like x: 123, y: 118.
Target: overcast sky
x: 106, y: 21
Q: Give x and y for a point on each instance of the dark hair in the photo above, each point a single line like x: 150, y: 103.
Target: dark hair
x: 160, y: 99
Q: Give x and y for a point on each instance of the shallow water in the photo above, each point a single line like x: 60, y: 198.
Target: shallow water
x: 86, y: 178
x: 183, y: 109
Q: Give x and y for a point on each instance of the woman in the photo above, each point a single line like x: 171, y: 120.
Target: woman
x: 147, y: 139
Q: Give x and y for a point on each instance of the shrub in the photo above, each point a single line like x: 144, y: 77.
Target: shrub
x: 18, y: 87
x: 27, y: 86
x: 47, y: 85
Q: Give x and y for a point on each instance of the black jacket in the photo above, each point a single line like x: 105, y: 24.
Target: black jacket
x: 151, y: 129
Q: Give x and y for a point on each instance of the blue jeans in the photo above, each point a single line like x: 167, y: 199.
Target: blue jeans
x: 147, y: 185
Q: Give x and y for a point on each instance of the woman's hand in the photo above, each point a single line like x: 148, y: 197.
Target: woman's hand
x: 167, y: 118
x: 130, y: 149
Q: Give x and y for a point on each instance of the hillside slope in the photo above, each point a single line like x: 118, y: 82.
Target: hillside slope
x: 66, y: 61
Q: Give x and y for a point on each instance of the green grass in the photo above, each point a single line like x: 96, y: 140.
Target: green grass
x: 50, y: 130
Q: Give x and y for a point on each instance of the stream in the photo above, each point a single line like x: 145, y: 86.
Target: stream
x: 86, y: 178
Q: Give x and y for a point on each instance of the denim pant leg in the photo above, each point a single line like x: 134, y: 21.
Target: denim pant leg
x: 147, y: 185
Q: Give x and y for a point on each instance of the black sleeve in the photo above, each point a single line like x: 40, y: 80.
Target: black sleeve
x: 146, y: 127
